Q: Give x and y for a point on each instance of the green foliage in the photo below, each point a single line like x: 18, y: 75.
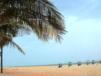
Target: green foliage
x: 38, y: 16
x: 41, y: 16
x: 6, y: 40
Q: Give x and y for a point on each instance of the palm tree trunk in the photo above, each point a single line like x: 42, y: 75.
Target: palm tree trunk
x: 1, y: 59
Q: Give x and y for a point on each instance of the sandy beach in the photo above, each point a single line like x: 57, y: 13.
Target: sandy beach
x: 83, y: 70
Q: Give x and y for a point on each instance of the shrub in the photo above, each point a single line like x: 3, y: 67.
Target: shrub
x: 93, y: 62
x: 100, y: 61
x: 88, y: 62
x: 69, y: 64
x: 79, y: 63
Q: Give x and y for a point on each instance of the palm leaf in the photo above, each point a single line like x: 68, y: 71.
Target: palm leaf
x: 6, y: 38
x: 39, y: 15
x: 17, y: 46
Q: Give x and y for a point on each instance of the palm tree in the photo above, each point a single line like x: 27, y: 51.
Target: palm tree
x: 6, y: 39
x: 39, y: 15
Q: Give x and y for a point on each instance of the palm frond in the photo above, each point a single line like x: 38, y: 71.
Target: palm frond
x: 17, y: 46
x: 39, y: 15
x: 4, y: 39
x: 6, y: 35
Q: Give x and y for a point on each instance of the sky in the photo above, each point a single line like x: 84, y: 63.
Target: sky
x: 82, y: 42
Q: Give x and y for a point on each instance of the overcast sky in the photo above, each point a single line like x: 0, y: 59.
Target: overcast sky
x: 81, y: 43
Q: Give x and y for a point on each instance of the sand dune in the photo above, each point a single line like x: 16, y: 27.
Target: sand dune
x: 84, y: 70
